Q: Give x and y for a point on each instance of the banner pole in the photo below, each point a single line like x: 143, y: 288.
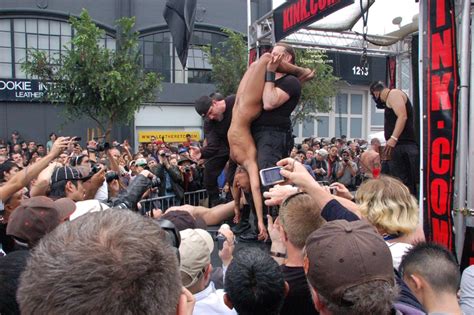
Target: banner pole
x: 461, y: 167
x: 421, y: 39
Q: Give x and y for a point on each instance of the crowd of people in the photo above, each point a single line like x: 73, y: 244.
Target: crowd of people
x: 344, y: 239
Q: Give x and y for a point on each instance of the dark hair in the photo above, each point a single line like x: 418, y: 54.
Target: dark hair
x: 77, y: 160
x: 288, y: 49
x: 216, y: 96
x: 435, y: 264
x: 6, y: 167
x: 377, y: 86
x: 11, y: 267
x: 254, y: 283
x: 108, y: 262
x: 58, y: 189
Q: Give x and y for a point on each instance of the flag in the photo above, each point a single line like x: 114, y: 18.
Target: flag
x: 179, y: 15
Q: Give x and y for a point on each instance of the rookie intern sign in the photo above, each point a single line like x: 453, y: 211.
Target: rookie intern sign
x: 19, y: 90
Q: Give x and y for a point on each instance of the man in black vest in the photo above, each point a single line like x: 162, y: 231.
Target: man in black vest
x: 401, y: 150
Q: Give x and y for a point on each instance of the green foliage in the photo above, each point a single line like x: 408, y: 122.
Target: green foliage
x: 229, y: 62
x: 316, y: 93
x: 90, y: 80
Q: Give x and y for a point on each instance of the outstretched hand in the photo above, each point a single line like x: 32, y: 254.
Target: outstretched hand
x: 60, y: 145
x: 278, y: 193
x: 296, y: 173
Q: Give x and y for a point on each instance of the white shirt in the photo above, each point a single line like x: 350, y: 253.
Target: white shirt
x: 211, y: 301
x: 398, y: 250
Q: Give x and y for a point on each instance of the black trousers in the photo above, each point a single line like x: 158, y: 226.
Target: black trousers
x: 212, y: 170
x: 273, y: 144
x: 405, y: 165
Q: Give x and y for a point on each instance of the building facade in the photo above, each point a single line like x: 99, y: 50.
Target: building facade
x: 43, y: 24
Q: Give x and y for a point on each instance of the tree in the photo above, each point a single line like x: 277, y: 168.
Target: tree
x: 108, y: 86
x: 229, y: 62
x: 316, y: 93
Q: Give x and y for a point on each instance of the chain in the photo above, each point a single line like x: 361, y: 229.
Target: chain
x: 365, y: 18
x: 467, y: 212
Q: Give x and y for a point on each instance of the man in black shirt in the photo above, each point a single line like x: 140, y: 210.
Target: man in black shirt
x: 217, y: 112
x: 272, y: 131
x: 401, y: 151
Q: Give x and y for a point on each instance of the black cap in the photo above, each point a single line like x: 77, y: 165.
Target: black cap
x: 202, y: 105
x: 67, y: 173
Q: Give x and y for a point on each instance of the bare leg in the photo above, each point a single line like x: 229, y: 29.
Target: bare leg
x: 252, y: 169
x: 251, y: 86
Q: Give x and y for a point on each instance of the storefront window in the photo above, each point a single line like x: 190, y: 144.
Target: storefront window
x: 17, y: 36
x: 159, y: 55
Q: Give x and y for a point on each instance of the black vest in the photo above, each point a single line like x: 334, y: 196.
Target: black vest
x: 390, y: 118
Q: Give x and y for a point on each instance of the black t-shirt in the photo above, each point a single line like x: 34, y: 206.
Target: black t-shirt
x: 298, y: 301
x: 8, y: 244
x: 333, y: 210
x: 280, y: 116
x: 216, y: 132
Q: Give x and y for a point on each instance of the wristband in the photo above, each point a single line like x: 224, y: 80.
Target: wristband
x: 269, y: 76
x: 394, y: 138
x: 277, y: 254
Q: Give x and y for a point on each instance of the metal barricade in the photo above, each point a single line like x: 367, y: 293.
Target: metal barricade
x: 193, y: 198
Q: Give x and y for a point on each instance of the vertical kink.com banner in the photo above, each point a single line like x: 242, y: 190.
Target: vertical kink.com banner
x: 439, y: 109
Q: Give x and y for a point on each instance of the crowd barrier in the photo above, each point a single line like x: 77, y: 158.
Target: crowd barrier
x: 194, y: 198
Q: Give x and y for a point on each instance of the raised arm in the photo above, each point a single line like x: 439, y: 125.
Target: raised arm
x: 24, y: 177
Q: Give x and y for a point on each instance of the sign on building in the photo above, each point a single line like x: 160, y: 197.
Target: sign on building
x: 21, y: 90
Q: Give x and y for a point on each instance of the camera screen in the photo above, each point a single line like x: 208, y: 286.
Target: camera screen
x: 271, y: 175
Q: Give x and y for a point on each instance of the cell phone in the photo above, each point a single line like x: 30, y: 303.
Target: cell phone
x: 77, y: 138
x: 220, y: 241
x: 271, y: 176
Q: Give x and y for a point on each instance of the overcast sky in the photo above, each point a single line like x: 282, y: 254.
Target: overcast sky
x: 381, y: 14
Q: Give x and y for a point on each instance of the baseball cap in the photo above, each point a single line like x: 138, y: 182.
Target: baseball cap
x: 202, y: 105
x: 182, y: 160
x: 345, y: 254
x: 37, y: 216
x: 141, y: 162
x: 322, y: 152
x: 66, y: 173
x: 195, y: 252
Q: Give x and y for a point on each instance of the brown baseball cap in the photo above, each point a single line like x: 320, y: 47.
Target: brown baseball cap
x: 37, y: 216
x: 344, y: 254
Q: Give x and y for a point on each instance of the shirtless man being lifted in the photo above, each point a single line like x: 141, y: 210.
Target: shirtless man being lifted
x: 247, y: 107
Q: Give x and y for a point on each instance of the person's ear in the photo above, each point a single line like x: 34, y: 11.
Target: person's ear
x: 317, y: 302
x: 415, y: 282
x: 283, y: 234
x: 208, y: 271
x: 68, y: 187
x: 306, y: 264
x: 228, y: 302
x: 287, y: 288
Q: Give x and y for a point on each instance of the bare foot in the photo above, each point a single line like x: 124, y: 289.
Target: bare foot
x: 306, y: 75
